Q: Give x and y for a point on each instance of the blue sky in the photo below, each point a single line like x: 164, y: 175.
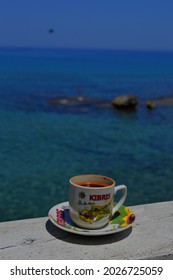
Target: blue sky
x: 102, y: 24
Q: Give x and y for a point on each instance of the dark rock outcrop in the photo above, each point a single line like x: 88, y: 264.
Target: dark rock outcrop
x: 150, y: 104
x: 125, y: 102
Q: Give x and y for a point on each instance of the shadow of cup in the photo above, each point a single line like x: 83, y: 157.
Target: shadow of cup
x: 86, y: 240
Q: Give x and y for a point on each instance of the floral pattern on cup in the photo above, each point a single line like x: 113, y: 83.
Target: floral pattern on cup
x: 95, y: 213
x: 123, y: 218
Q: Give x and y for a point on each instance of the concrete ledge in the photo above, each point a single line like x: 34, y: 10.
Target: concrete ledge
x: 150, y: 238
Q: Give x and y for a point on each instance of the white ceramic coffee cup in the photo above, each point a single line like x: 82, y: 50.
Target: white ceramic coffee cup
x: 91, y: 200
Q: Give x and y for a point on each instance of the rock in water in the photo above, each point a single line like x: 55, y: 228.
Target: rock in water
x: 150, y: 104
x: 125, y: 101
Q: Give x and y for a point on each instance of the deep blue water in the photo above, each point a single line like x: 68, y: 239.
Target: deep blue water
x: 43, y: 145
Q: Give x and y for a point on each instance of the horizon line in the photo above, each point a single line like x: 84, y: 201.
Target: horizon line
x: 86, y: 49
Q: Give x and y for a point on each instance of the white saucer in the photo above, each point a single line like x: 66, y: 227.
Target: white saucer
x: 122, y: 219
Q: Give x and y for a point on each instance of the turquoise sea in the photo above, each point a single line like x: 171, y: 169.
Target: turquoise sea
x: 42, y: 145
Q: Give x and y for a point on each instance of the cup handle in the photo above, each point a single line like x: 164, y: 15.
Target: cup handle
x: 122, y: 199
